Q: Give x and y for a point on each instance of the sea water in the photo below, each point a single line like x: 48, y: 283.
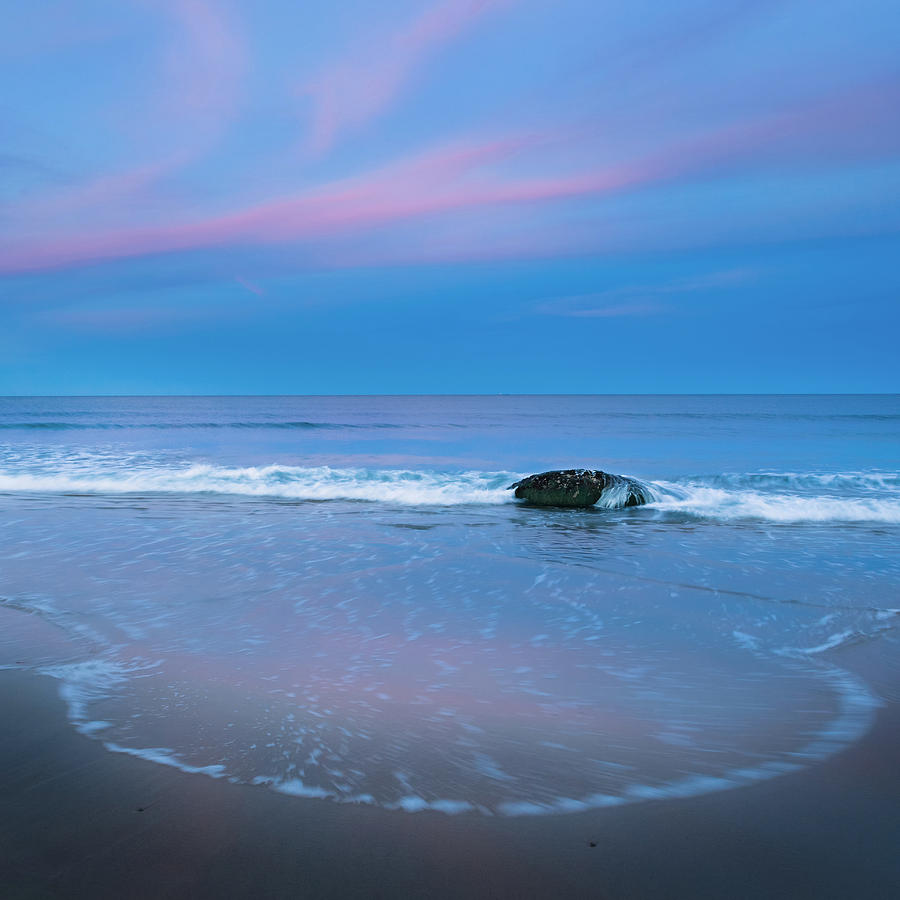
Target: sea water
x: 339, y: 597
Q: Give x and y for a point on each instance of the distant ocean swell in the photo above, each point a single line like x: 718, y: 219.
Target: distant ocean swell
x: 56, y: 422
x: 772, y: 497
x: 168, y: 426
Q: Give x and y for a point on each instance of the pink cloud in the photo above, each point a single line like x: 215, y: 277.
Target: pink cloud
x: 104, y: 192
x: 853, y: 123
x: 208, y: 57
x: 446, y: 180
x: 356, y: 89
x: 250, y: 286
x: 201, y: 69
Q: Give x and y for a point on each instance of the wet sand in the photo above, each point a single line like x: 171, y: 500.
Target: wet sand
x: 79, y: 821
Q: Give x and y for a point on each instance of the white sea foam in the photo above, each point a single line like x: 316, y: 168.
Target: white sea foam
x: 836, y: 640
x: 851, y: 497
x: 165, y: 757
x: 400, y: 486
x: 297, y: 788
x: 834, y: 481
x: 785, y: 497
x: 854, y: 718
x: 701, y: 500
x: 84, y: 683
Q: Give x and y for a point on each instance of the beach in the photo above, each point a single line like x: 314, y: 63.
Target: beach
x: 316, y: 647
x: 72, y: 826
x: 450, y: 449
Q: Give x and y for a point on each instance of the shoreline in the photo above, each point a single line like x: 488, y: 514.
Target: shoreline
x: 79, y: 820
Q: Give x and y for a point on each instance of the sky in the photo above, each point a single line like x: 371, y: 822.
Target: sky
x: 449, y: 196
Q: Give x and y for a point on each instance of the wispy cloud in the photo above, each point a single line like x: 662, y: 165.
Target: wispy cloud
x: 475, y: 175
x: 200, y: 70
x: 638, y: 300
x: 589, y: 306
x: 441, y: 180
x: 354, y: 90
x: 250, y: 286
x: 121, y: 320
x: 207, y: 57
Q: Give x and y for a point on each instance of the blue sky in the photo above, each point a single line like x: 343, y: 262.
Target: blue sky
x: 203, y: 196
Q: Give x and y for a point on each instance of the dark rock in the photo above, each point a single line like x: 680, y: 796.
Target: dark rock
x: 581, y: 488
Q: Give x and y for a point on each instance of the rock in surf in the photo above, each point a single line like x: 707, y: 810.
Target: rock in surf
x: 581, y: 488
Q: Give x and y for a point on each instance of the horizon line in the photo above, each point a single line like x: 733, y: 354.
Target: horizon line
x: 464, y: 394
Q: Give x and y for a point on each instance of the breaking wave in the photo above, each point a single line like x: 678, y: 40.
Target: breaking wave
x: 765, y: 496
x: 400, y: 486
x: 784, y: 497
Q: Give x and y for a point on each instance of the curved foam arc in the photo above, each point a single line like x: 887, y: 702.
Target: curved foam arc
x: 163, y: 756
x: 855, y: 718
x: 853, y: 721
x: 92, y: 680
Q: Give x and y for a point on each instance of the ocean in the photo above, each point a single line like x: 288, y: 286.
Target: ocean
x: 339, y: 597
